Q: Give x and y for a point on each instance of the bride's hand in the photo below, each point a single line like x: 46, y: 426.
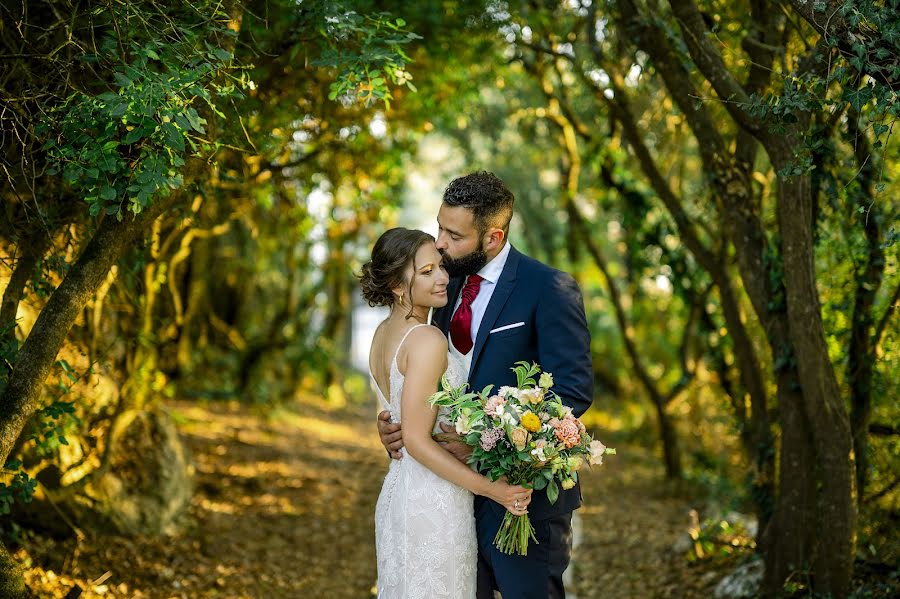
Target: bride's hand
x: 514, y: 498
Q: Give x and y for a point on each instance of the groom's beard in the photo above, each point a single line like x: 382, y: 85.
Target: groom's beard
x: 465, y: 265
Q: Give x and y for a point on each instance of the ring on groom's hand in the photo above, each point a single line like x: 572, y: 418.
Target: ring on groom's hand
x: 516, y: 504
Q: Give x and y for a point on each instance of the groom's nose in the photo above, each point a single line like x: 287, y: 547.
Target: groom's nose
x: 441, y: 243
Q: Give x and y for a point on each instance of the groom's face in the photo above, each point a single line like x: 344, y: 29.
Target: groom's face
x: 459, y: 241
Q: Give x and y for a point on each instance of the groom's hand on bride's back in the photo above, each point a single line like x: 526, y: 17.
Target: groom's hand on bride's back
x: 391, y: 435
x: 452, y: 442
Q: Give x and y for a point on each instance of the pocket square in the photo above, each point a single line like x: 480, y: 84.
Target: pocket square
x: 508, y: 326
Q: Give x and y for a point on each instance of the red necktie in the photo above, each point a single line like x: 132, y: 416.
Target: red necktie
x: 461, y: 323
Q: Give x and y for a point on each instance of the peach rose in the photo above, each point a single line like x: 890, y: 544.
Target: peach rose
x: 567, y: 433
x: 519, y: 437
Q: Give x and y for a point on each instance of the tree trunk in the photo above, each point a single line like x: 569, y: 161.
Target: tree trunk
x: 196, y: 302
x: 12, y: 581
x: 669, y: 436
x: 836, y: 508
x: 667, y: 431
x: 22, y: 396
x: 861, y: 353
x: 786, y: 543
x: 32, y: 248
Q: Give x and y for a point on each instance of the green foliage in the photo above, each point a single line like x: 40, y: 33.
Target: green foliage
x: 50, y: 424
x: 864, y: 69
x: 892, y: 237
x: 42, y: 283
x: 525, y: 373
x: 20, y: 488
x: 368, y: 52
x: 718, y: 539
x: 121, y: 149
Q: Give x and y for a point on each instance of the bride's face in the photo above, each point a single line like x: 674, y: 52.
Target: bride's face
x: 429, y: 287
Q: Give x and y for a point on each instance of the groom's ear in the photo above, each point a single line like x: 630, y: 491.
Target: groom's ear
x: 495, y: 239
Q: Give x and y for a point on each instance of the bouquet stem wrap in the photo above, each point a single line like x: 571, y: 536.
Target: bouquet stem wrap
x: 514, y: 534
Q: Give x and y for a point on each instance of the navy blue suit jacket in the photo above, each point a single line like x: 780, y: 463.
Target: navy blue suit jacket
x: 555, y: 335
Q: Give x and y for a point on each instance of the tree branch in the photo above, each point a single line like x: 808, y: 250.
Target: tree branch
x: 687, y: 375
x: 710, y: 63
x: 21, y: 398
x: 677, y: 81
x: 882, y: 323
x: 829, y: 24
x: 33, y: 248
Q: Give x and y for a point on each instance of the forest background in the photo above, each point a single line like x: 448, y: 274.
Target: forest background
x: 189, y: 189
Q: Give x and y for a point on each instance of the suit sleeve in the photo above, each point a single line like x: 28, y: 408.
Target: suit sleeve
x: 564, y: 342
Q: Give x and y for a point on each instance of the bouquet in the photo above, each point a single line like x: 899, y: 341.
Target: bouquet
x: 526, y: 434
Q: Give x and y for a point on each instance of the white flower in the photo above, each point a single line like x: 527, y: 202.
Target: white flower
x: 508, y: 392
x: 597, y: 451
x: 463, y: 426
x: 539, y: 454
x: 532, y: 396
x: 546, y: 380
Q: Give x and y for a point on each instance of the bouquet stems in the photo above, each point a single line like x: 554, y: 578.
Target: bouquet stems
x: 514, y: 533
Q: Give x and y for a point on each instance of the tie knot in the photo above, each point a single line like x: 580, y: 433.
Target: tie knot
x: 470, y: 291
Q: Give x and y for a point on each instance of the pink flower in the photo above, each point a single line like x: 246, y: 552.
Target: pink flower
x: 493, y: 403
x: 489, y: 438
x: 567, y: 433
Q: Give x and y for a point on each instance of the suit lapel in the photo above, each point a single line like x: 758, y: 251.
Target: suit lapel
x: 504, y: 289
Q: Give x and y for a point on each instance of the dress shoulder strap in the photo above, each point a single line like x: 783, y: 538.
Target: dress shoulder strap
x: 399, y: 345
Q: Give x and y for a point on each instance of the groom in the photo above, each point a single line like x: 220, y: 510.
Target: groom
x: 506, y: 307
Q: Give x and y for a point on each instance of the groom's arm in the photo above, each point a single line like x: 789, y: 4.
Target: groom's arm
x: 564, y: 342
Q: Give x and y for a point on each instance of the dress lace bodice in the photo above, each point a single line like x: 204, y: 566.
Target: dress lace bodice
x: 456, y: 375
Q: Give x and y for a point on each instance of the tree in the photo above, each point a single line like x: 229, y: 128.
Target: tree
x: 119, y: 117
x: 788, y: 112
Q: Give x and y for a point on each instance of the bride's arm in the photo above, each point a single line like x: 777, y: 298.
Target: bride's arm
x: 426, y: 360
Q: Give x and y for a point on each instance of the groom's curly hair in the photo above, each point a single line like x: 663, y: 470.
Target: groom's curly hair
x: 486, y: 196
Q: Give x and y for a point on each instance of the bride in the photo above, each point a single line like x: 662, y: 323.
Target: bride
x: 424, y: 520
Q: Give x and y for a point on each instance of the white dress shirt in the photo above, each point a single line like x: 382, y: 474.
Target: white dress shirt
x: 490, y: 272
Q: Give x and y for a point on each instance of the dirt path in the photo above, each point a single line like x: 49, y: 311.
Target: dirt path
x: 630, y: 522
x: 284, y: 506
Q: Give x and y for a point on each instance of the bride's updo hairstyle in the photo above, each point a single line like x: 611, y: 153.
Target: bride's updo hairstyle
x: 393, y: 252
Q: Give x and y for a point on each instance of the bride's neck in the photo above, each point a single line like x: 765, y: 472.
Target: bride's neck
x: 419, y: 314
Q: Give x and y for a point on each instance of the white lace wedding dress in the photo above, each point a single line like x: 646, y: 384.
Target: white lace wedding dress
x: 424, y: 525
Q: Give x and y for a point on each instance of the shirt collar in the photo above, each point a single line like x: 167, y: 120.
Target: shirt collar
x: 491, y: 271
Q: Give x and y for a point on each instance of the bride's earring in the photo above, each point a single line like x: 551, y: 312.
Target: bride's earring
x: 401, y: 299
